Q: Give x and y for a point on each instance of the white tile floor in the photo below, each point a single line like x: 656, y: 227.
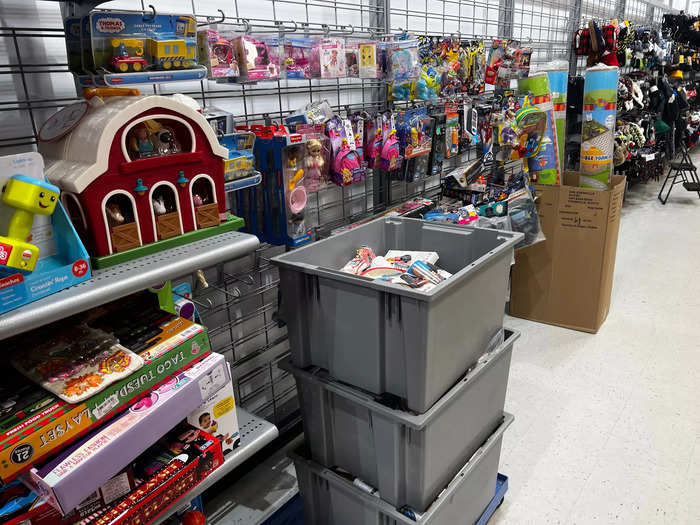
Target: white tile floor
x: 607, y: 426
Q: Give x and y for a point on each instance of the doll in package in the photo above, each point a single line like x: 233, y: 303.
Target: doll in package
x: 347, y: 168
x: 390, y: 158
x: 258, y: 57
x: 404, y: 61
x: 361, y: 60
x: 331, y: 54
x: 301, y: 58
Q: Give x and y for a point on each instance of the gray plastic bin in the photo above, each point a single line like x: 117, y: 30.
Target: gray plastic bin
x: 408, y: 457
x: 384, y: 337
x: 330, y: 499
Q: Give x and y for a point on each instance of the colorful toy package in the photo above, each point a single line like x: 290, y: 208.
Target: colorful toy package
x: 137, y: 48
x: 558, y: 75
x: 216, y: 52
x: 372, y: 146
x: 258, y: 57
x: 597, y: 134
x: 331, y: 55
x: 166, y: 472
x: 241, y: 160
x: 361, y: 60
x: 347, y: 168
x: 72, y: 475
x: 78, y: 365
x: 35, y: 423
x: 544, y: 166
x: 403, y: 61
x: 390, y: 158
x: 301, y: 58
x: 415, y: 131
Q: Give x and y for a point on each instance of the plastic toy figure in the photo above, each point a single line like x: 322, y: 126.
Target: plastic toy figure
x: 114, y: 215
x: 121, y: 61
x: 159, y: 206
x: 314, y: 163
x: 141, y: 144
x: 29, y: 197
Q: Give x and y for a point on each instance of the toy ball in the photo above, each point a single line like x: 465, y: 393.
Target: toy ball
x: 194, y: 517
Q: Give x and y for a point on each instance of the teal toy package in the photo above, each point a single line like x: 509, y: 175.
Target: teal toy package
x: 40, y: 252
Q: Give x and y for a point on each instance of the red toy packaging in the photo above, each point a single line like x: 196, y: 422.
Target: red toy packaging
x: 165, y: 472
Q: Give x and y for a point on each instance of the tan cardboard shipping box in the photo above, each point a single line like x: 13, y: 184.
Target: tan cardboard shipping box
x: 567, y: 279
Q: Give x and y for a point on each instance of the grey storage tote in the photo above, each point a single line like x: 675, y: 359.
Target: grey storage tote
x: 385, y: 337
x: 330, y: 499
x: 409, y: 458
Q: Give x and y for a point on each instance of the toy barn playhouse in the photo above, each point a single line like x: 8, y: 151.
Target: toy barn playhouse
x: 140, y: 174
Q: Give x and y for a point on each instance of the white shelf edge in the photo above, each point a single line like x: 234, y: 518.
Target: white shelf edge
x: 127, y: 278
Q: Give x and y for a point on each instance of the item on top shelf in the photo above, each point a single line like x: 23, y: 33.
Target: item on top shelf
x: 73, y: 474
x: 241, y: 160
x: 216, y: 52
x: 173, y: 157
x: 597, y: 134
x: 41, y: 253
x: 217, y: 416
x: 544, y: 164
x: 132, y: 48
x: 78, y: 365
x: 347, y: 168
x: 167, y: 471
x: 166, y: 344
x: 331, y: 56
x: 300, y: 59
x: 258, y: 57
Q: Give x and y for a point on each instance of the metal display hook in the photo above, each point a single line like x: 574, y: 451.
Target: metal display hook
x: 283, y: 30
x: 212, y: 20
x: 151, y: 16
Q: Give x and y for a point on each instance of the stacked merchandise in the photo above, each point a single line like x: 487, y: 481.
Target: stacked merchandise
x: 113, y: 416
x: 404, y: 418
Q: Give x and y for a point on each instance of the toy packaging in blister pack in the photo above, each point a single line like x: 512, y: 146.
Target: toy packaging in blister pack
x: 361, y: 60
x: 403, y: 62
x: 372, y: 149
x: 347, y: 167
x: 258, y: 57
x: 138, y: 48
x: 390, y: 158
x: 415, y: 131
x: 331, y: 54
x: 507, y: 61
x: 437, y: 151
x: 216, y: 52
x: 300, y: 59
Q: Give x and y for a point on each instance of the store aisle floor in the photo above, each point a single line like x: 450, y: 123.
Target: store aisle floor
x: 607, y: 426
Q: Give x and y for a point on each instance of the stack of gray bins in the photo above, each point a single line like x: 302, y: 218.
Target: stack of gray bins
x: 401, y: 391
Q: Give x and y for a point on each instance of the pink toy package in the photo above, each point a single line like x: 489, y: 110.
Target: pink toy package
x: 347, y: 167
x: 216, y: 51
x: 361, y: 60
x: 258, y: 57
x: 331, y: 52
x: 390, y: 158
x: 301, y: 58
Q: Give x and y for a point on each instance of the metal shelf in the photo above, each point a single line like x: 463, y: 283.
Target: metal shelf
x: 259, y: 494
x: 240, y: 184
x: 255, y: 434
x: 124, y: 279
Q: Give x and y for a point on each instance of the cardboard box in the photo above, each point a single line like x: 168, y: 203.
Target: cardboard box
x: 71, y: 476
x: 217, y: 416
x: 567, y: 279
x: 37, y: 423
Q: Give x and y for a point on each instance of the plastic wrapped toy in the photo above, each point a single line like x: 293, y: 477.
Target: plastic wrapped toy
x: 404, y: 62
x: 258, y: 57
x: 217, y: 53
x: 301, y: 58
x: 331, y: 54
x: 347, y: 168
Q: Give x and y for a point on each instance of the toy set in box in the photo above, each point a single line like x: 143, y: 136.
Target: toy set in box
x: 217, y: 416
x: 40, y: 251
x: 35, y: 423
x: 331, y: 56
x: 216, y: 52
x: 301, y: 58
x: 241, y: 160
x: 415, y: 131
x: 138, y: 48
x: 258, y: 57
x: 166, y: 471
x: 69, y: 477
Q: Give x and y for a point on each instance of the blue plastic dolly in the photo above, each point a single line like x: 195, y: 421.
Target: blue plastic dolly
x: 501, y: 489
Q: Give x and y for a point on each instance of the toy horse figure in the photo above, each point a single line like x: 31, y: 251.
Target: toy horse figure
x: 159, y: 206
x: 114, y: 215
